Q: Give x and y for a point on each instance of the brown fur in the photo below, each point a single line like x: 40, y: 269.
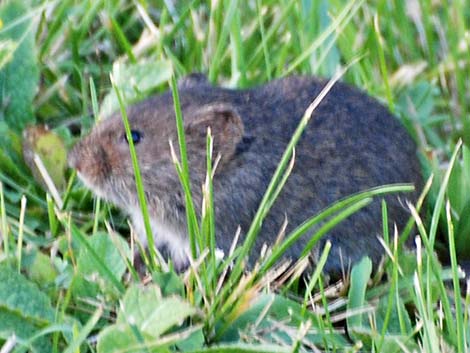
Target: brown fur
x: 352, y: 143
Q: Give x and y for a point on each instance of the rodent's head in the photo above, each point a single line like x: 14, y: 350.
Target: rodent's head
x: 103, y: 162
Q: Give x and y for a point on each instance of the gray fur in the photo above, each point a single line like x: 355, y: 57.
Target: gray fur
x: 352, y: 143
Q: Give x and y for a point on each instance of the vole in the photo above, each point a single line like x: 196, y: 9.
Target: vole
x: 352, y: 143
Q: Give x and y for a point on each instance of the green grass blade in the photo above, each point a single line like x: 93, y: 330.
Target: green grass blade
x: 343, y: 18
x: 209, y: 217
x: 316, y: 275
x: 461, y: 347
x: 360, y: 275
x: 138, y: 181
x: 229, y: 16
x: 383, y: 66
x: 264, y: 44
x: 433, y: 268
x: 334, y: 208
x: 325, y: 228
x: 191, y: 218
x: 53, y: 222
x: 122, y: 40
x: 85, y: 331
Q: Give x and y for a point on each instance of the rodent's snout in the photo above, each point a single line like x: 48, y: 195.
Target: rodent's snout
x: 90, y: 159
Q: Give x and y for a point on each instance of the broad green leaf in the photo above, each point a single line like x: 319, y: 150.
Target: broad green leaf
x: 39, y: 267
x: 24, y: 309
x: 20, y: 295
x: 135, y: 81
x: 19, y: 78
x: 143, y: 318
x: 393, y: 340
x: 169, y: 283
x: 90, y: 281
x: 359, y: 325
x: 194, y: 341
x: 396, y: 343
x: 13, y: 324
x: 135, y: 301
x: 11, y: 159
x: 243, y: 348
x: 150, y: 312
x: 173, y: 309
x: 118, y: 338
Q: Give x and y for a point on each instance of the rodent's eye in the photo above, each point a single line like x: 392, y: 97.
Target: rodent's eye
x: 137, y: 136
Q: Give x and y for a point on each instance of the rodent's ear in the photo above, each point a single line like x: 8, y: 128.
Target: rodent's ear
x: 226, y: 128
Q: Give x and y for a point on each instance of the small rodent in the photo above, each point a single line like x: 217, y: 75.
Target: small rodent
x: 352, y: 143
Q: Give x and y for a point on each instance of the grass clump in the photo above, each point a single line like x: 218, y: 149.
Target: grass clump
x: 67, y: 278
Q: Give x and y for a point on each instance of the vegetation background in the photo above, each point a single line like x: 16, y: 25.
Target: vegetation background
x: 67, y: 280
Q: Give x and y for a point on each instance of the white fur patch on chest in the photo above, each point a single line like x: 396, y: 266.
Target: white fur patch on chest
x: 164, y: 234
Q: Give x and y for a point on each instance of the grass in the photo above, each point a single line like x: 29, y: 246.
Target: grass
x: 67, y: 281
